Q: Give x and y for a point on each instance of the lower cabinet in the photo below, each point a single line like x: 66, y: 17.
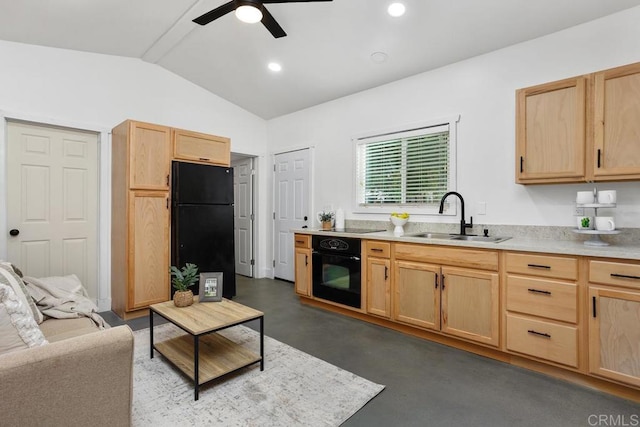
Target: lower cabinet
x: 457, y: 301
x: 614, y: 334
x: 542, y: 307
x: 614, y: 321
x: 470, y: 304
x: 417, y: 294
x: 302, y: 261
x: 554, y: 307
x: 378, y: 278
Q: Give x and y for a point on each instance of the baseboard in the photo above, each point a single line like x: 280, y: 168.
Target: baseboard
x: 104, y: 304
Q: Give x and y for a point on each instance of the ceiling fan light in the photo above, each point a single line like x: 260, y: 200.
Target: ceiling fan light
x: 248, y: 14
x: 396, y: 9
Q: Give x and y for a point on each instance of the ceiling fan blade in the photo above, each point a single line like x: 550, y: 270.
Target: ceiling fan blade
x: 290, y: 1
x: 271, y: 24
x: 215, y: 13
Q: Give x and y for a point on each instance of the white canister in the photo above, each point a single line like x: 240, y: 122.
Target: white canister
x: 339, y: 219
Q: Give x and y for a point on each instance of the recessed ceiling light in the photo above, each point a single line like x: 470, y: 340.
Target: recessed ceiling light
x: 396, y: 9
x: 379, y: 57
x: 274, y: 66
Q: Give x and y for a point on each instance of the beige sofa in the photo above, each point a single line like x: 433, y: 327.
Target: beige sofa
x: 60, y: 371
x: 82, y: 377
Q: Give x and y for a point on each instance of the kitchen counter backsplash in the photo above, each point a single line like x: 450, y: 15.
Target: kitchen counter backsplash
x: 627, y: 236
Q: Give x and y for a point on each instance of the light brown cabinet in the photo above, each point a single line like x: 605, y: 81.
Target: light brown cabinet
x: 582, y: 129
x: 417, y: 294
x: 458, y: 301
x: 378, y: 278
x: 149, y: 249
x: 542, y: 317
x: 140, y: 217
x: 200, y: 147
x: 569, y: 316
x: 302, y: 252
x: 614, y: 332
x: 617, y: 123
x: 550, y: 132
x: 149, y: 154
x: 471, y: 305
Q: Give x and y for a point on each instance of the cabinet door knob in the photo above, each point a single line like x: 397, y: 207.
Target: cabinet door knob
x: 14, y: 232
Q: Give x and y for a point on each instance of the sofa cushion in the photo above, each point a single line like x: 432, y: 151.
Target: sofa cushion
x: 59, y: 329
x: 18, y: 329
x: 9, y: 277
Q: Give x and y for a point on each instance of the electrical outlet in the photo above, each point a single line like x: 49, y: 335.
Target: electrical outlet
x: 578, y: 211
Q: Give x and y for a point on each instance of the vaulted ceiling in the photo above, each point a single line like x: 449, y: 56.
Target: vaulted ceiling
x: 333, y: 48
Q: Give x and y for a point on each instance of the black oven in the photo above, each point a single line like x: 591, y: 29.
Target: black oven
x: 336, y: 269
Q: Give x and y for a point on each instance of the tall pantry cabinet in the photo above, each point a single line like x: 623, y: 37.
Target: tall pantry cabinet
x: 140, y: 240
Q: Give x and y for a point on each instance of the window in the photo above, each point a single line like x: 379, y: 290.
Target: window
x: 406, y: 169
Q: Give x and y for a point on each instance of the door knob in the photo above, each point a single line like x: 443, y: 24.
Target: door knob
x: 306, y: 217
x: 14, y: 232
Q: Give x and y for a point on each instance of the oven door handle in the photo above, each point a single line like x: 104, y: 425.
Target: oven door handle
x: 352, y: 257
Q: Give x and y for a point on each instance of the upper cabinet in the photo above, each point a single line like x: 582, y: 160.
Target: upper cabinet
x: 617, y: 124
x: 550, y: 132
x: 149, y: 154
x: 581, y: 129
x: 200, y: 147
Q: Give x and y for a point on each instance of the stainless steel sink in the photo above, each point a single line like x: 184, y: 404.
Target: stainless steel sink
x: 489, y: 239
x: 470, y: 238
x: 445, y: 236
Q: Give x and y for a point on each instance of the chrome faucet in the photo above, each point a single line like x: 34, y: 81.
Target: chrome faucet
x: 463, y: 225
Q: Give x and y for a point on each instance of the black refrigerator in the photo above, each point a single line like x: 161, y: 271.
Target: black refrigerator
x: 202, y: 230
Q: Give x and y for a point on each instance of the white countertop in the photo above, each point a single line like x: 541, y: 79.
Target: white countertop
x: 562, y: 247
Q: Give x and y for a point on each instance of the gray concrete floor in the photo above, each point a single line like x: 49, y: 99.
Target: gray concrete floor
x: 427, y: 384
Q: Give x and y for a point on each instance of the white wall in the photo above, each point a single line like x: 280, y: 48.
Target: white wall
x: 97, y: 92
x: 482, y: 91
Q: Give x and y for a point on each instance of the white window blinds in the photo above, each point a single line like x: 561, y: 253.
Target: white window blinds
x: 404, y: 168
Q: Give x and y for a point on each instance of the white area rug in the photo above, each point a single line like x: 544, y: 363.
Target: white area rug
x: 295, y: 388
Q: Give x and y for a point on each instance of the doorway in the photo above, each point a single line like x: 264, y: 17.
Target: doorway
x: 52, y: 201
x: 291, y: 207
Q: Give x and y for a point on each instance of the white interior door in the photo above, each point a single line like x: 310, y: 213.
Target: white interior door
x: 243, y: 212
x: 52, y: 198
x: 291, y: 207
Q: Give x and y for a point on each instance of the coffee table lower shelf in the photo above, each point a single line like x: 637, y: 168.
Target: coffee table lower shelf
x: 217, y: 356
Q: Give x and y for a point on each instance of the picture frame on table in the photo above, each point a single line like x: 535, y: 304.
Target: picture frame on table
x: 210, y: 287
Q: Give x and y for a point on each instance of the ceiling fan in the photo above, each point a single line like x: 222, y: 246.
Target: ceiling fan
x: 250, y: 11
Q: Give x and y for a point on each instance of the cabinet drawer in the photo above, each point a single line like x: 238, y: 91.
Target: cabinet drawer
x: 484, y: 260
x: 544, y: 298
x: 546, y: 340
x: 378, y: 249
x: 302, y: 240
x: 543, y: 265
x: 615, y: 273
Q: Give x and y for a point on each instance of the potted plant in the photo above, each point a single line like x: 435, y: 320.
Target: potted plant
x: 181, y: 280
x: 326, y: 219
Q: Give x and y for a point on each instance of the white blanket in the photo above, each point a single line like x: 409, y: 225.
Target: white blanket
x: 63, y: 298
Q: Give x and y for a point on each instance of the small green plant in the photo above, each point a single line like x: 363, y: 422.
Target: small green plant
x: 325, y: 216
x: 585, y: 222
x: 184, y: 278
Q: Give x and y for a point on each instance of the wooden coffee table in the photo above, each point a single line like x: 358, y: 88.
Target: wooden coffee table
x: 202, y: 354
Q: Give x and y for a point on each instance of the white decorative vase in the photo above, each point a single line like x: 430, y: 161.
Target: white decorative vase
x: 399, y: 223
